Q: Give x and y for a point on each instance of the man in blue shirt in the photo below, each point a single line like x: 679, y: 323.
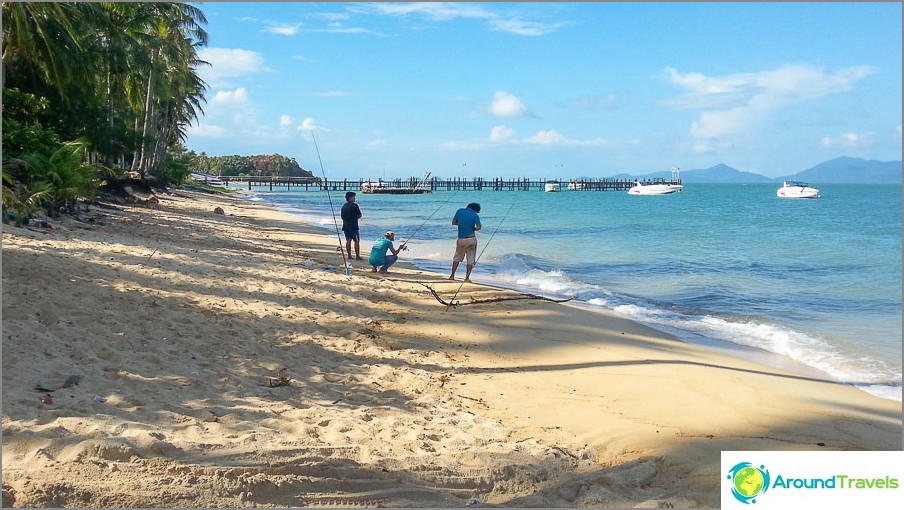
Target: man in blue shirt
x: 378, y: 256
x: 466, y: 246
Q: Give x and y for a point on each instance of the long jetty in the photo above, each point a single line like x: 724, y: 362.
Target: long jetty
x: 438, y: 184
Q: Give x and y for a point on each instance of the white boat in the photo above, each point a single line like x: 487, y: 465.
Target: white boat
x: 578, y: 186
x: 654, y: 188
x: 659, y: 186
x: 209, y: 179
x: 797, y: 189
x: 380, y: 187
x: 551, y: 186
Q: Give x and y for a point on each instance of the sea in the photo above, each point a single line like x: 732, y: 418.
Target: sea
x: 807, y: 285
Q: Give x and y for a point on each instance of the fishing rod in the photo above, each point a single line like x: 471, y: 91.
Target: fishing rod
x: 451, y: 196
x: 332, y: 210
x: 426, y: 176
x: 481, y: 252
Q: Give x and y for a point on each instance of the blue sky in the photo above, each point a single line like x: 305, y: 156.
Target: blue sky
x: 551, y: 89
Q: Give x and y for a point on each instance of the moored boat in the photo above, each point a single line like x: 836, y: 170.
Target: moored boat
x: 658, y: 186
x: 797, y: 189
x: 654, y: 188
x: 380, y: 187
x: 551, y: 186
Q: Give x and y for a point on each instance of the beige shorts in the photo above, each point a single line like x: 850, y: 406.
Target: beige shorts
x: 466, y: 247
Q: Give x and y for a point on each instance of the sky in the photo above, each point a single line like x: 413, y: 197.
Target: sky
x: 551, y: 89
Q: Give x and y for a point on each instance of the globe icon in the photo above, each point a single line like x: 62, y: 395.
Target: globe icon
x: 748, y: 482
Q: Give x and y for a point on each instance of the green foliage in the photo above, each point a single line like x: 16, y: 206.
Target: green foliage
x: 22, y: 131
x: 178, y: 165
x: 55, y: 181
x: 275, y: 165
x: 122, y: 75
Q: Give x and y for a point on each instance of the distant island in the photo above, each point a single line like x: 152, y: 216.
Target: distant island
x: 843, y: 170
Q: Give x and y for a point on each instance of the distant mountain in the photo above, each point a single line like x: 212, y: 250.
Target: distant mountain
x: 723, y: 174
x: 850, y: 171
x: 839, y: 170
x: 716, y: 174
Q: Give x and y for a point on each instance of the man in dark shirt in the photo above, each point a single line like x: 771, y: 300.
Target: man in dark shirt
x: 350, y: 214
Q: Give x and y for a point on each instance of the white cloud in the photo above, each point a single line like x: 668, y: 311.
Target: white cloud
x: 377, y: 144
x: 227, y: 113
x: 225, y: 99
x: 229, y: 63
x: 551, y: 137
x: 447, y: 11
x: 439, y: 11
x: 734, y: 102
x: 286, y: 121
x: 507, y: 105
x: 308, y: 124
x: 546, y: 138
x: 205, y: 130
x: 283, y: 28
x: 333, y: 93
x: 521, y: 27
x: 848, y: 141
x: 501, y: 134
x: 703, y: 147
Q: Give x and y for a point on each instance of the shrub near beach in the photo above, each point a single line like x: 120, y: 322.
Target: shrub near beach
x: 92, y: 91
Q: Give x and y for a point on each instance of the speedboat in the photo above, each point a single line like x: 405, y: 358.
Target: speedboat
x: 577, y: 185
x: 654, y: 188
x: 551, y: 186
x: 209, y: 179
x: 658, y: 186
x: 797, y: 189
x: 381, y: 187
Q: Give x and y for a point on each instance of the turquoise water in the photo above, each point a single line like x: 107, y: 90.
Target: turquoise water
x: 804, y: 284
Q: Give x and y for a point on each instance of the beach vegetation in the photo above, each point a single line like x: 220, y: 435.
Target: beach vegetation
x: 258, y: 165
x: 93, y: 92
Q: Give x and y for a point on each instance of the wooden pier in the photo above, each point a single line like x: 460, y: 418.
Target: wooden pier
x: 438, y: 184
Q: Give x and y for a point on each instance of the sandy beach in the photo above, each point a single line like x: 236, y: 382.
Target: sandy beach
x: 174, y: 357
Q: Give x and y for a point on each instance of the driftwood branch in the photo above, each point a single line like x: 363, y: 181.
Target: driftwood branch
x: 520, y: 296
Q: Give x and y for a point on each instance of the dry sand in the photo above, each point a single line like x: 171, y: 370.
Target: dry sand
x: 194, y: 360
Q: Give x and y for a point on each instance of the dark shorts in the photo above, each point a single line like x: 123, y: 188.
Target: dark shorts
x: 352, y: 235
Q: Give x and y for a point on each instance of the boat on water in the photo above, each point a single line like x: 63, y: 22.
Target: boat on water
x: 578, y: 186
x: 658, y: 186
x: 209, y: 179
x: 654, y: 188
x: 380, y: 187
x: 551, y: 186
x: 797, y: 189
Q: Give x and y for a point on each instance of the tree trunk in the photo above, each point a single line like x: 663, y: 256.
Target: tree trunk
x: 148, y: 114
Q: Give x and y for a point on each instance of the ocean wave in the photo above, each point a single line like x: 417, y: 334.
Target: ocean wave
x: 696, y: 325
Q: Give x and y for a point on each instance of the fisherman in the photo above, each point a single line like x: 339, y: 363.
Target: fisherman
x: 468, y: 223
x: 378, y: 256
x: 350, y: 214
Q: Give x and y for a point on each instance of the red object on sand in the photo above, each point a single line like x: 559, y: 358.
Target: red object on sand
x: 46, y: 399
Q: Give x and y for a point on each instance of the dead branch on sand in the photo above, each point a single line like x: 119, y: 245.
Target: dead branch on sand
x: 519, y: 297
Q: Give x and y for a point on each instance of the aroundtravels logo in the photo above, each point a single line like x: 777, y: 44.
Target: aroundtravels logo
x: 748, y: 482
x: 811, y: 479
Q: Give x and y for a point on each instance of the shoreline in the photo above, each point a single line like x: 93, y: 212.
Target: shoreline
x: 184, y: 322
x: 738, y: 350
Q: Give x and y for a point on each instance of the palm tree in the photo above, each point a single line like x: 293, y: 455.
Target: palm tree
x: 50, y: 38
x: 171, y: 81
x: 133, y: 65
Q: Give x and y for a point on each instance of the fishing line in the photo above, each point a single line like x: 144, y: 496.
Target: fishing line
x: 487, y: 244
x: 326, y: 184
x: 451, y: 196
